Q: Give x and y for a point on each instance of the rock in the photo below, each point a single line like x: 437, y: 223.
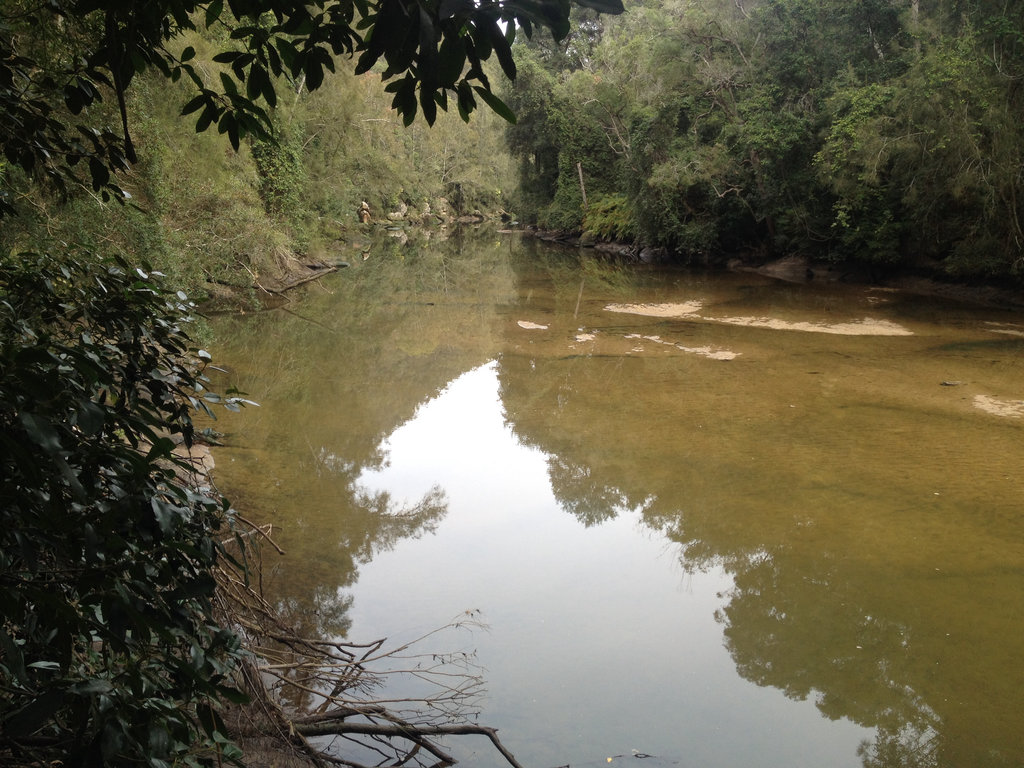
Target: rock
x: 651, y: 255
x: 621, y: 250
x: 400, y: 214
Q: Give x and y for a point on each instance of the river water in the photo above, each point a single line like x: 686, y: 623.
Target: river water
x: 718, y: 519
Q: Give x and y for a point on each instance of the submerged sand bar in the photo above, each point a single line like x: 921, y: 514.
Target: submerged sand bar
x: 864, y: 327
x: 685, y: 309
x: 1013, y: 409
x: 689, y: 309
x: 714, y: 353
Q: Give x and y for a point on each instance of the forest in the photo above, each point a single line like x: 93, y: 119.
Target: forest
x: 207, y: 214
x: 880, y: 132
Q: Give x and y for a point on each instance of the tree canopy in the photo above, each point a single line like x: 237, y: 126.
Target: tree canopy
x: 59, y: 58
x: 885, y: 132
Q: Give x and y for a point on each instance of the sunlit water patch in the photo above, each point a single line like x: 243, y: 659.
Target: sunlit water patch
x: 600, y: 640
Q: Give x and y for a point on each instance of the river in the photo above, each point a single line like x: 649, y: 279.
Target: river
x: 715, y: 518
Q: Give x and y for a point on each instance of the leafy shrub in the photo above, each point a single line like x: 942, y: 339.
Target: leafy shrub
x: 107, y: 652
x: 610, y: 218
x: 281, y: 175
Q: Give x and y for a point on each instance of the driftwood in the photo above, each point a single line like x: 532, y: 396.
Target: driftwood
x: 336, y: 688
x: 296, y: 282
x: 277, y: 287
x: 415, y: 733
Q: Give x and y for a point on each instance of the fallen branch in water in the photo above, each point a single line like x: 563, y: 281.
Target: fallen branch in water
x: 316, y: 274
x: 304, y: 687
x: 415, y: 733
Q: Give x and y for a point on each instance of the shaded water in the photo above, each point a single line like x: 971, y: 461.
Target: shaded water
x: 717, y: 519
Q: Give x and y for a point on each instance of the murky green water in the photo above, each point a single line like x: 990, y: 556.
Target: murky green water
x: 731, y: 527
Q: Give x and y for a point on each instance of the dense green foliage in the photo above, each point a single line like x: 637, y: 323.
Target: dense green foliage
x: 108, y: 653
x: 205, y: 214
x: 59, y: 58
x: 880, y: 131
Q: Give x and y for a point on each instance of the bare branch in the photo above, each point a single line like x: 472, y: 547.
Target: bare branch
x: 328, y: 683
x: 405, y: 731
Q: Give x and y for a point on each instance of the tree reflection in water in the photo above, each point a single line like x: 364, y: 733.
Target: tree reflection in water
x: 856, y: 583
x: 337, y: 376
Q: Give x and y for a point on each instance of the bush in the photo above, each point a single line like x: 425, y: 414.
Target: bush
x: 107, y: 652
x: 610, y: 218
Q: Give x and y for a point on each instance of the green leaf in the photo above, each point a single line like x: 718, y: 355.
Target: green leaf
x: 167, y: 516
x: 449, y: 8
x: 213, y: 11
x: 465, y: 101
x: 428, y: 104
x: 159, y: 739
x: 500, y: 44
x: 162, y: 448
x: 90, y: 418
x: 99, y: 172
x: 289, y: 54
x: 41, y: 432
x: 210, y: 720
x: 496, y: 104
x: 194, y: 104
x: 230, y: 86
x: 451, y: 60
x: 314, y: 74
x: 13, y: 660
x: 206, y: 119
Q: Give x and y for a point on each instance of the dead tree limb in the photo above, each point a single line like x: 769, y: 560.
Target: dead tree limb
x: 416, y: 733
x: 306, y: 686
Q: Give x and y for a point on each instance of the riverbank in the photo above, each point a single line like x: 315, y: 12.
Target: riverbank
x: 925, y: 281
x: 270, y: 285
x: 291, y: 271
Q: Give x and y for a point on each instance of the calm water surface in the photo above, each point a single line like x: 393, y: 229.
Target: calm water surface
x: 717, y: 519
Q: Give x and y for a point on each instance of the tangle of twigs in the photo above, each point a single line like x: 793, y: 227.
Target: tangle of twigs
x: 304, y: 688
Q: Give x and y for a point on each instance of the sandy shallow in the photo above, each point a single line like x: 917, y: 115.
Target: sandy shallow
x: 1007, y: 328
x: 686, y: 309
x: 1013, y: 409
x: 714, y: 353
x: 864, y: 327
